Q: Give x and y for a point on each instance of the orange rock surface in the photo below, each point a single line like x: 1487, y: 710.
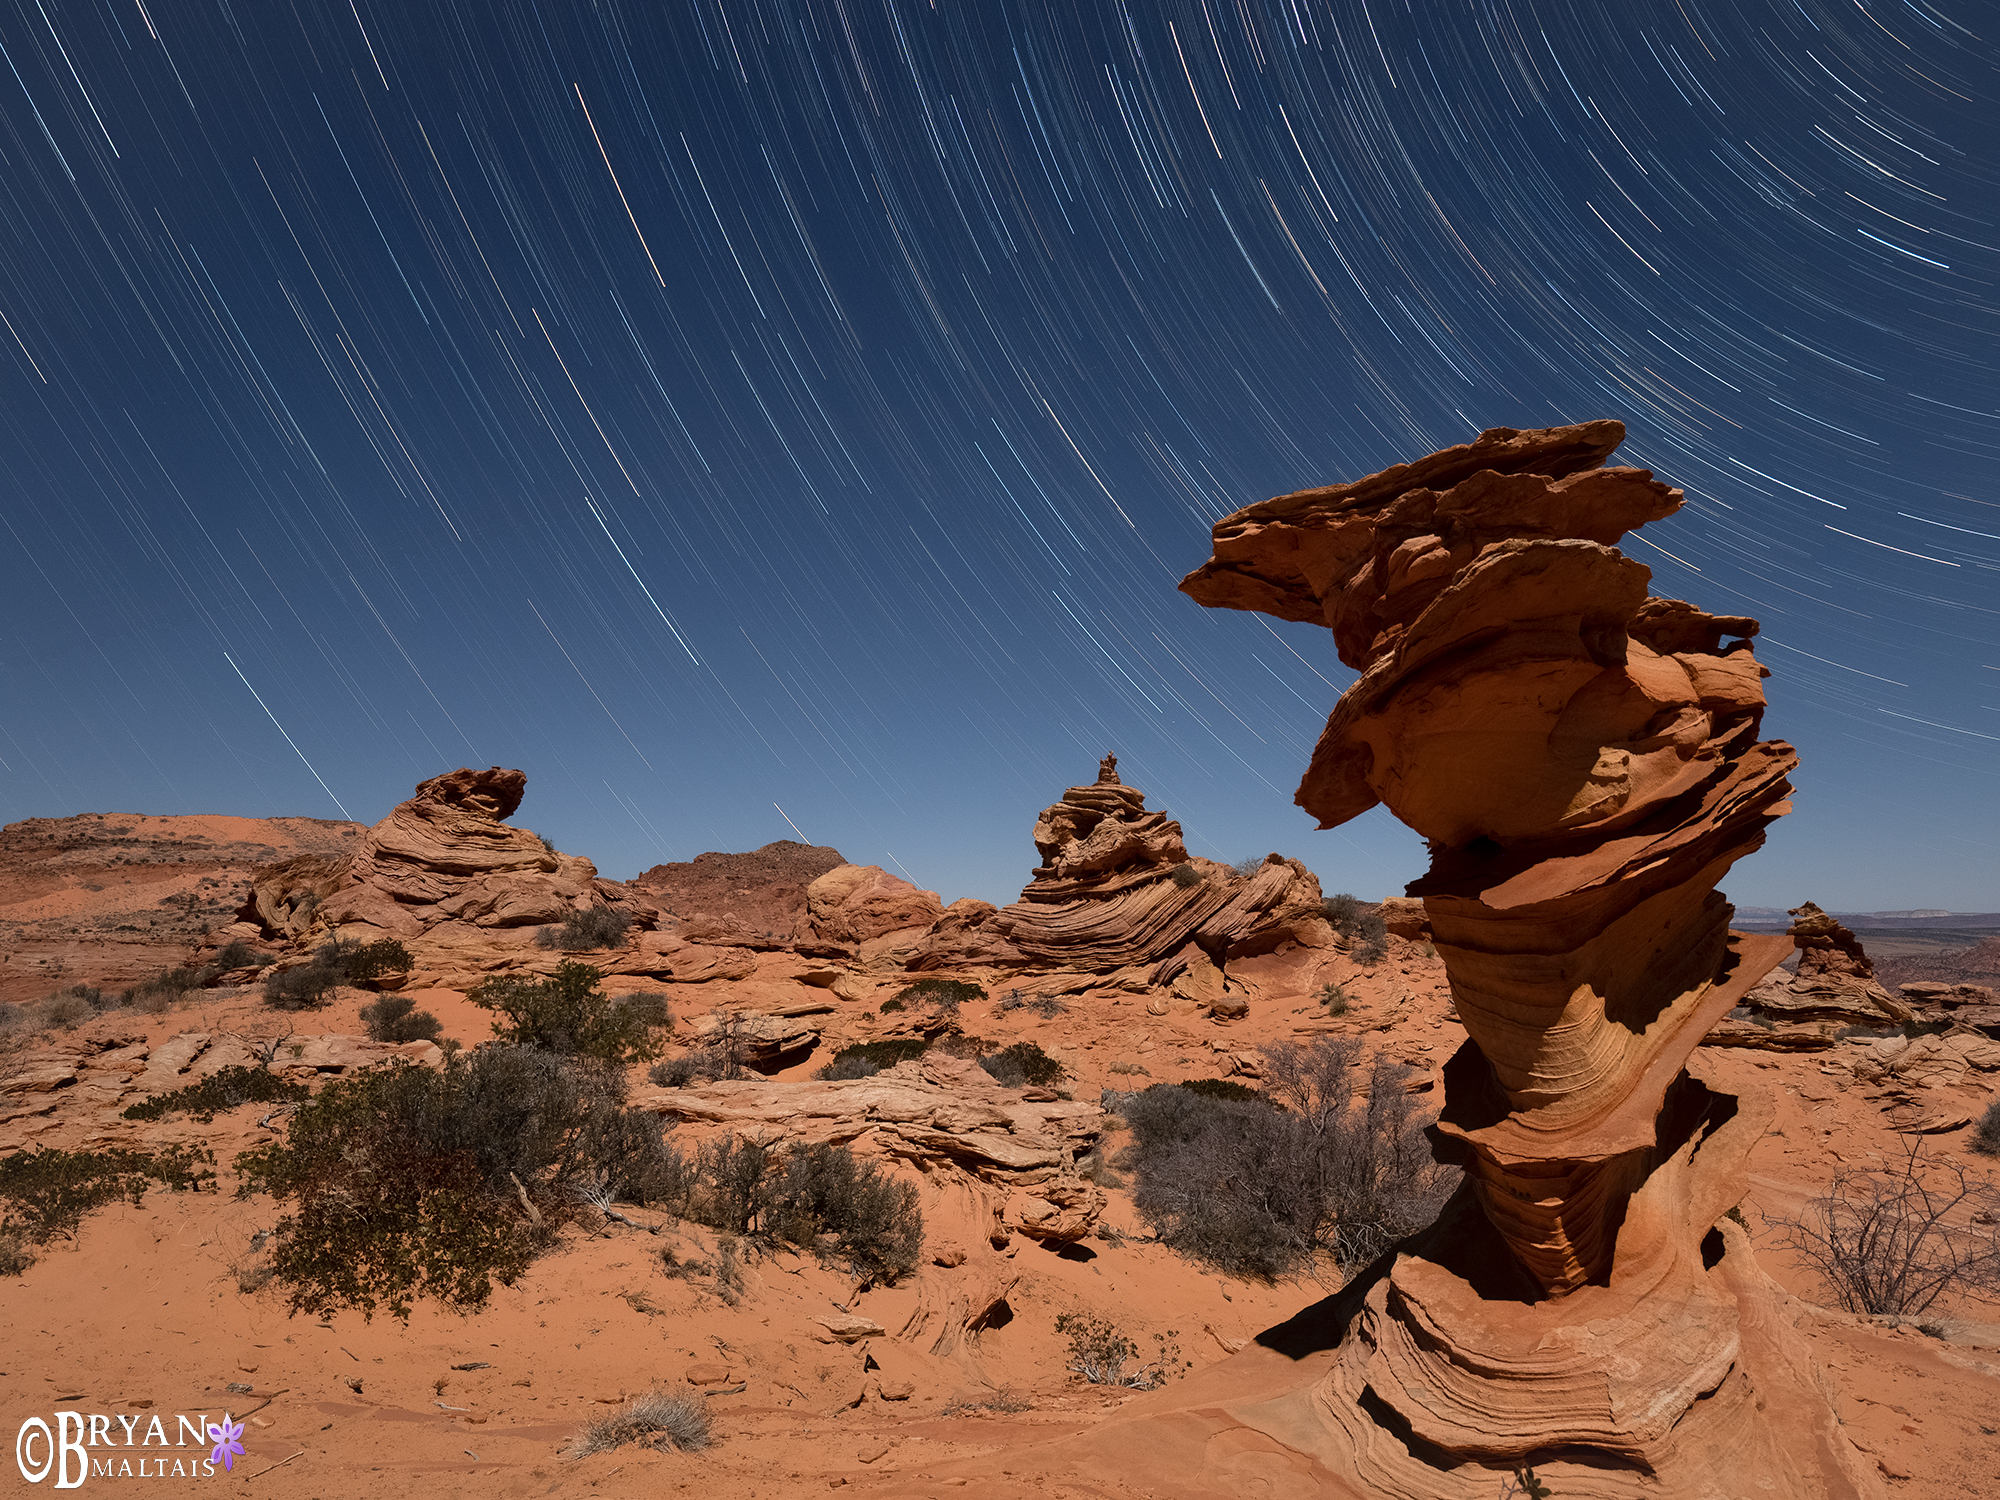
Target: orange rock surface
x: 1583, y: 760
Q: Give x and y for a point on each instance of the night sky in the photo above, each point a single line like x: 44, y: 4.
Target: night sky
x: 773, y: 418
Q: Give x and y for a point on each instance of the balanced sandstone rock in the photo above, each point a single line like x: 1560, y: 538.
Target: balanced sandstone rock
x: 1835, y: 982
x: 1116, y: 888
x: 446, y: 874
x: 1584, y: 762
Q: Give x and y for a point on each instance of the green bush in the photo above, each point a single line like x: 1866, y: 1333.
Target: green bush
x: 1024, y: 1064
x: 395, y: 1018
x: 570, y: 1016
x: 1367, y: 934
x: 1186, y: 876
x: 1334, y: 998
x: 406, y: 1181
x: 592, y: 928
x: 48, y: 1192
x: 866, y: 1059
x: 224, y: 1089
x: 15, y: 1256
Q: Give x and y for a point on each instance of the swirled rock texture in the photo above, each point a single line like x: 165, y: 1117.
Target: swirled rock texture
x: 446, y: 874
x: 1116, y: 888
x: 1584, y: 762
x: 1835, y: 982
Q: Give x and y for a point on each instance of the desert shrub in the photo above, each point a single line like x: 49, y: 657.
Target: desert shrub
x: 236, y: 954
x: 715, y: 1063
x: 1334, y: 998
x: 1889, y: 1241
x: 892, y: 1004
x: 942, y: 995
x: 1023, y: 1065
x: 1367, y: 934
x: 362, y: 963
x: 48, y: 1193
x: 224, y: 1089
x: 1247, y: 866
x: 568, y: 1015
x: 1099, y: 1354
x: 586, y: 930
x: 66, y: 1008
x: 306, y: 987
x: 1186, y: 875
x: 1046, y: 1006
x: 154, y: 995
x: 1261, y: 1191
x: 15, y: 1256
x: 395, y: 1018
x: 850, y: 1066
x: 822, y: 1198
x: 407, y: 1182
x: 647, y: 1007
x: 1985, y: 1137
x: 825, y: 1190
x: 1218, y: 1088
x: 849, y: 1061
x: 655, y: 1420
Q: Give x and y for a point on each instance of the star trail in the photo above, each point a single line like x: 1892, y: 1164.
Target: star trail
x: 739, y: 411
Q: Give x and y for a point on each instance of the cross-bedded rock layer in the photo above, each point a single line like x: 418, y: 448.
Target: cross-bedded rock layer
x: 1584, y: 762
x: 1107, y: 896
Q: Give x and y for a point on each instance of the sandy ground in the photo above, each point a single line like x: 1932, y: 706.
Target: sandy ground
x: 146, y: 1314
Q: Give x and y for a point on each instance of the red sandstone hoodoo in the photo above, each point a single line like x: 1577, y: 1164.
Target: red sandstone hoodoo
x: 1583, y: 759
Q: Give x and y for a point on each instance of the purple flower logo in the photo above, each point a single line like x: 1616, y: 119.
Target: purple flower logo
x: 225, y: 1438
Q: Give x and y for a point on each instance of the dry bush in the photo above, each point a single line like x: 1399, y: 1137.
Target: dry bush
x: 584, y: 931
x: 1985, y: 1137
x: 657, y: 1419
x: 1262, y: 1187
x: 1897, y: 1239
x: 395, y: 1018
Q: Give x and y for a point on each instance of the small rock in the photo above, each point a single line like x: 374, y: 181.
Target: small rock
x: 900, y: 1390
x: 847, y: 1328
x: 708, y: 1374
x: 948, y: 1256
x: 872, y: 1452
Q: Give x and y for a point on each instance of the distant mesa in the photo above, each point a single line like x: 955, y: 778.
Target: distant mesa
x: 758, y: 895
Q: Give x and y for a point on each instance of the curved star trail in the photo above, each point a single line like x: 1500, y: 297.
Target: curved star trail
x: 727, y: 405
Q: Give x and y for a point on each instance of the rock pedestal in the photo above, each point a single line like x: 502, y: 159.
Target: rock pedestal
x: 1583, y: 760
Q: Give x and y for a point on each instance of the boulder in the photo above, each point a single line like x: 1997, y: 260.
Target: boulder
x: 1835, y: 981
x: 851, y: 904
x: 760, y: 1041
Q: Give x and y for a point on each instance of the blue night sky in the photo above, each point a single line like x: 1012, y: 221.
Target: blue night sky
x: 750, y: 416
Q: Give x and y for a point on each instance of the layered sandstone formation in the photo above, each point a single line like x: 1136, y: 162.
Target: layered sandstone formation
x: 1835, y: 981
x: 1583, y: 760
x: 447, y: 875
x: 1116, y: 888
x: 107, y: 899
x: 1011, y: 1152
